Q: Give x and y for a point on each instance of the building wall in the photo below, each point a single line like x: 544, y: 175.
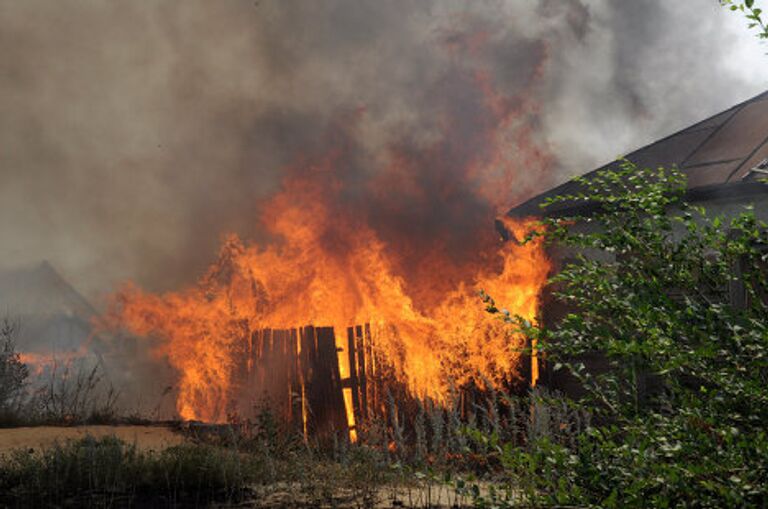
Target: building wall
x: 553, y: 310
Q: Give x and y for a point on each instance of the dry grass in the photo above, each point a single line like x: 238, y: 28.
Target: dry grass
x: 417, y: 454
x: 145, y: 438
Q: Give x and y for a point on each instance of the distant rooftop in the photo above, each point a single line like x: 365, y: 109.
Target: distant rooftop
x: 721, y: 156
x: 40, y: 289
x: 52, y: 315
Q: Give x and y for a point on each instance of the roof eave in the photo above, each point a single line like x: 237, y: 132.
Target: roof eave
x: 731, y: 190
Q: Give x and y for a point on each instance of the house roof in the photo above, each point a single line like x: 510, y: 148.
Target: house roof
x: 41, y: 290
x: 49, y: 311
x: 718, y: 156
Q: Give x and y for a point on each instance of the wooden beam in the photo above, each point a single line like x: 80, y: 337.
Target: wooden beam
x: 331, y: 413
x: 361, y: 349
x: 294, y: 387
x: 307, y: 361
x: 354, y: 381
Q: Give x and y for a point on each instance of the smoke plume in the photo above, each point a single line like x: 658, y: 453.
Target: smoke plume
x: 134, y: 134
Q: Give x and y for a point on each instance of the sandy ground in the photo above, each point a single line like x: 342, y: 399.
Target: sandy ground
x: 145, y: 437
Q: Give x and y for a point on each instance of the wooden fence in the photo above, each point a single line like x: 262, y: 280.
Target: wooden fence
x: 296, y: 372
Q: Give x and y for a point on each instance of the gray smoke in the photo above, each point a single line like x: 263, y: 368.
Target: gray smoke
x: 134, y: 134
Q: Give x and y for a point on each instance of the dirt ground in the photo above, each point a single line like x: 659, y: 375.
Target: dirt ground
x: 145, y: 437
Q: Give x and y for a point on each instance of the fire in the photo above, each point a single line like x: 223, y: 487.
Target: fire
x: 36, y: 363
x: 39, y: 363
x: 330, y: 261
x: 304, y: 281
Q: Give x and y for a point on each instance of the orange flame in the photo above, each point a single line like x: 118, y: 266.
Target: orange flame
x: 300, y: 282
x: 38, y: 363
x: 328, y: 265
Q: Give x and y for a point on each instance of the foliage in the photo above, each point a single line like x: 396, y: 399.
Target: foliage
x: 751, y: 13
x: 673, y: 304
x: 74, y: 392
x: 107, y: 472
x: 67, y: 393
x: 13, y: 373
x: 428, y: 461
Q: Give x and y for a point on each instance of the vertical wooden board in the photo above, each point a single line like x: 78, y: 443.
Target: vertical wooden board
x: 249, y: 352
x: 354, y: 380
x: 229, y: 400
x: 236, y: 367
x: 285, y: 375
x: 256, y: 370
x: 368, y: 340
x: 307, y: 363
x: 278, y: 374
x: 319, y: 394
x: 273, y: 373
x: 240, y: 365
x: 285, y: 378
x: 244, y: 366
x: 329, y: 383
x: 294, y: 389
x: 266, y: 361
x: 362, y: 374
x: 308, y: 349
x: 376, y: 403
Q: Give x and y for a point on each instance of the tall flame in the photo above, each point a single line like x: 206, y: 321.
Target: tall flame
x: 330, y: 262
x: 299, y: 282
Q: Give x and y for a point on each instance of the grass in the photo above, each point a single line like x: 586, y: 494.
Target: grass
x: 415, y: 454
x: 111, y: 473
x: 412, y: 454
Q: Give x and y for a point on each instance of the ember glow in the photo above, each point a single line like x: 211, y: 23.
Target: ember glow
x: 404, y: 248
x: 40, y: 363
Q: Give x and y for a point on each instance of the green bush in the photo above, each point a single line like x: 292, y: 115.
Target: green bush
x: 107, y: 472
x: 674, y: 302
x: 13, y: 373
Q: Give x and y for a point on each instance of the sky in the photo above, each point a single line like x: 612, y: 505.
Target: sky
x: 133, y: 135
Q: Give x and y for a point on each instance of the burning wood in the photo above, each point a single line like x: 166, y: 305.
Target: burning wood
x: 428, y: 350
x: 405, y: 251
x: 308, y: 380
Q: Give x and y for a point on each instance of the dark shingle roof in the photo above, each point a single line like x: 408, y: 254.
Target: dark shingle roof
x: 716, y: 154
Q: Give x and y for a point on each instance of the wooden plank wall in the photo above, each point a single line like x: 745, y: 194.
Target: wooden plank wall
x: 296, y: 372
x: 363, y: 381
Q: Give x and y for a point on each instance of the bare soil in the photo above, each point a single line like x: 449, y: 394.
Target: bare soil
x: 38, y: 437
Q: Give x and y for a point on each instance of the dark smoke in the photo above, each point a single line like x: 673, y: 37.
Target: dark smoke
x: 134, y: 134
